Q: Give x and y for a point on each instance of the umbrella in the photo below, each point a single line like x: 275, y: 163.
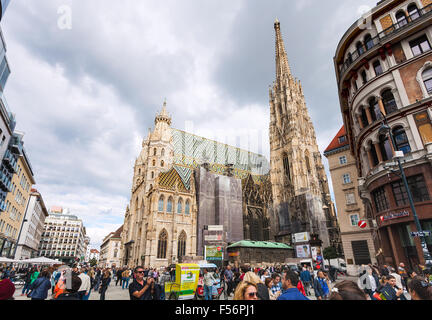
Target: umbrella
x: 41, y: 260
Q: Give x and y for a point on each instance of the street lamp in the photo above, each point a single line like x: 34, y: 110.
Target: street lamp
x: 384, y: 130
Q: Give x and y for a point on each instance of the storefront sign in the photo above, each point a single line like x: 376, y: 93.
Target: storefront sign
x: 421, y: 234
x: 213, y: 253
x: 301, y: 237
x: 303, y: 251
x: 234, y: 254
x: 393, y: 216
x: 215, y: 237
x: 215, y: 228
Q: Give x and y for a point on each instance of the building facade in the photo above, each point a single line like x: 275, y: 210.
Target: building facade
x: 63, y: 237
x: 17, y: 196
x: 358, y: 245
x: 301, y: 196
x: 384, y: 68
x: 94, y: 254
x: 110, y: 250
x: 33, y: 227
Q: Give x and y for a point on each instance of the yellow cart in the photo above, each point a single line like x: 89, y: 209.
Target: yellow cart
x: 186, y: 283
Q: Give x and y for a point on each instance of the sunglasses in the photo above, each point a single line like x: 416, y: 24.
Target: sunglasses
x: 252, y: 294
x: 140, y: 271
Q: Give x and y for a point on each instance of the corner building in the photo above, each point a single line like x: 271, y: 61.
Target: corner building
x: 386, y: 68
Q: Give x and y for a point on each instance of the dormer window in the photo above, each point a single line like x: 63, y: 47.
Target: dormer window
x: 342, y: 139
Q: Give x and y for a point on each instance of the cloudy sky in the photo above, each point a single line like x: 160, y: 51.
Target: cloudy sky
x: 85, y: 96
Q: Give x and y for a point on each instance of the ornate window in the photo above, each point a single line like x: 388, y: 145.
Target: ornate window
x: 154, y: 163
x: 368, y: 41
x: 377, y: 67
x: 170, y: 205
x: 385, y: 147
x: 163, y: 152
x: 360, y: 48
x: 154, y: 151
x: 180, y: 206
x: 413, y: 11
x: 286, y: 166
x: 389, y: 101
x: 424, y: 126
x: 187, y: 207
x: 401, y: 140
x: 162, y: 163
x: 162, y: 245
x: 401, y: 18
x: 374, y: 109
x: 161, y: 204
x: 427, y: 79
x: 420, y: 45
x: 181, y: 245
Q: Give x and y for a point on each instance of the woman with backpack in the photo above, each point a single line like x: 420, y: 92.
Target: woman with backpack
x: 40, y: 287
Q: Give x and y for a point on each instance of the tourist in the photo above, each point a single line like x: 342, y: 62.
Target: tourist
x: 289, y: 285
x: 347, y: 290
x: 277, y: 284
x: 27, y: 282
x: 40, y: 287
x: 209, y: 280
x: 106, y: 279
x: 119, y: 276
x: 269, y: 284
x: 165, y: 277
x: 140, y: 290
x: 72, y: 293
x: 265, y: 276
x: 228, y: 276
x: 246, y: 291
x: 125, y: 278
x: 321, y: 286
x: 403, y: 273
x: 306, y: 278
x: 391, y: 291
x: 7, y: 290
x: 261, y: 287
x: 85, y: 288
x: 420, y: 289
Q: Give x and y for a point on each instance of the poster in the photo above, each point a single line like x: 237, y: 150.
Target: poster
x: 303, y: 251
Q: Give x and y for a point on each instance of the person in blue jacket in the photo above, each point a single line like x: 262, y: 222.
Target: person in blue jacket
x: 40, y: 287
x: 289, y: 286
x: 306, y: 278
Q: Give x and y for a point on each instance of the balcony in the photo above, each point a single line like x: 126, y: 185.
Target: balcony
x: 373, y: 43
x: 10, y: 161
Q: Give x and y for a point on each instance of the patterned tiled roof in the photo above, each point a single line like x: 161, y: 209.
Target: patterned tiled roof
x: 191, y: 151
x: 180, y: 176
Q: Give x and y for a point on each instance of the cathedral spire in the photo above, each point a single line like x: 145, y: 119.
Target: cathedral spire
x: 282, y: 65
x: 163, y: 116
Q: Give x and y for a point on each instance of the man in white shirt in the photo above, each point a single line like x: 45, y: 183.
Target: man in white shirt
x: 397, y: 277
x: 85, y: 284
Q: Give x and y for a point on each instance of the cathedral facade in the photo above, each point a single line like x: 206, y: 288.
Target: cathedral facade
x: 183, y: 183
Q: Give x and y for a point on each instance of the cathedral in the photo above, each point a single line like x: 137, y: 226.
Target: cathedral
x: 183, y: 183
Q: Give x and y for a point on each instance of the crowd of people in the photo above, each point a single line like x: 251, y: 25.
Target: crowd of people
x: 244, y: 283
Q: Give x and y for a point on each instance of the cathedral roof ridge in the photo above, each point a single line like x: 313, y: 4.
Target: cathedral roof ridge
x: 221, y: 143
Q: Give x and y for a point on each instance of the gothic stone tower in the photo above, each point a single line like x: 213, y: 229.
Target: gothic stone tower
x: 301, y: 199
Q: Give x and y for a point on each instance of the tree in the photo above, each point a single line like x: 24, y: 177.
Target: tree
x: 330, y: 253
x: 93, y: 262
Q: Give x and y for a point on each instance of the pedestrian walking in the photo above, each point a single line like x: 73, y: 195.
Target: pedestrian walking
x: 40, y: 287
x: 106, y: 279
x: 209, y: 280
x: 306, y: 278
x: 125, y: 278
x: 165, y: 277
x: 72, y: 293
x: 321, y: 286
x: 403, y: 273
x: 27, y: 282
x: 85, y: 288
x: 119, y: 276
x: 228, y: 276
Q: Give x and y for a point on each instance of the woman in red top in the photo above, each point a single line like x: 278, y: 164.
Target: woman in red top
x: 301, y: 288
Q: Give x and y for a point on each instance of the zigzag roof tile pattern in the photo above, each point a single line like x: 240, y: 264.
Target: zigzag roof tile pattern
x: 191, y: 151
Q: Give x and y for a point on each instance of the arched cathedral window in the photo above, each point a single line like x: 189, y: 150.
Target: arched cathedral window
x: 162, y: 245
x: 286, y: 166
x: 181, y: 245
